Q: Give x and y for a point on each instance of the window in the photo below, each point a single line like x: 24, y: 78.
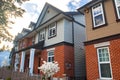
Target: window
x: 98, y: 15
x: 41, y: 35
x: 117, y: 5
x: 52, y: 30
x: 33, y: 40
x: 104, y: 63
x: 50, y: 56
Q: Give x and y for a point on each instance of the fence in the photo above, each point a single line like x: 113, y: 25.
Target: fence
x: 6, y: 73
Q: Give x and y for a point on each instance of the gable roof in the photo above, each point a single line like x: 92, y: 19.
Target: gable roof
x: 88, y: 5
x: 61, y: 14
x: 42, y: 14
x: 25, y: 30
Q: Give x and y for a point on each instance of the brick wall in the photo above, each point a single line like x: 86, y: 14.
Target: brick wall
x: 115, y: 58
x: 92, y: 60
x: 91, y: 63
x: 62, y: 54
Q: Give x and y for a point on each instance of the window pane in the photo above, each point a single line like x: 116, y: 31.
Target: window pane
x: 105, y: 70
x: 103, y: 54
x: 119, y: 10
x: 49, y: 59
x: 98, y: 20
x: 118, y: 2
x: 97, y: 10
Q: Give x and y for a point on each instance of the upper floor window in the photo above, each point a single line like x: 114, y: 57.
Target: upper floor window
x: 98, y: 15
x: 52, y: 30
x: 104, y: 63
x: 42, y: 35
x: 117, y: 5
x: 51, y: 56
x: 33, y: 40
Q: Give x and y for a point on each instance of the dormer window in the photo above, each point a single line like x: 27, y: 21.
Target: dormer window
x: 117, y: 6
x: 42, y: 35
x: 98, y: 15
x: 52, y: 30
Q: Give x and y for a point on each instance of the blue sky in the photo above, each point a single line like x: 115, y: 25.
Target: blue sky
x: 4, y: 55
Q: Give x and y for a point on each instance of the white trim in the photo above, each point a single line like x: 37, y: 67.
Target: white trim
x: 102, y: 13
x: 116, y: 6
x: 22, y: 62
x: 31, y: 62
x: 51, y: 49
x: 102, y: 44
x: 51, y: 27
x: 52, y: 56
x: 102, y: 78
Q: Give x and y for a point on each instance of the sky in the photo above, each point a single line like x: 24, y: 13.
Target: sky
x: 34, y: 7
x: 4, y: 56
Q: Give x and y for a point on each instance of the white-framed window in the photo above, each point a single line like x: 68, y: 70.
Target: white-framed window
x: 50, y: 56
x: 33, y: 40
x: 98, y: 15
x: 42, y: 35
x: 117, y: 5
x: 52, y: 30
x: 105, y: 71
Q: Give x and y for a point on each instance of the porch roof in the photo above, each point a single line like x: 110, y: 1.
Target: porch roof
x: 39, y: 46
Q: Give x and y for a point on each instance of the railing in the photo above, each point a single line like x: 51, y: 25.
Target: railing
x: 6, y: 73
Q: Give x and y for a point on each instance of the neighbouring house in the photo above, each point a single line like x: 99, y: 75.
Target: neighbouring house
x: 56, y: 36
x: 103, y: 39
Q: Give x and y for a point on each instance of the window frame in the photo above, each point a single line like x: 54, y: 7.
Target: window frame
x: 105, y: 62
x: 52, y: 28
x: 116, y: 9
x: 51, y: 56
x: 102, y: 13
x: 42, y: 32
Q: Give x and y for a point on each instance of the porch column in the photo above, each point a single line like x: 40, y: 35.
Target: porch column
x: 22, y: 62
x: 16, y: 62
x: 31, y: 62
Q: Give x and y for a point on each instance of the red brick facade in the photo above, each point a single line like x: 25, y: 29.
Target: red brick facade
x: 63, y: 54
x: 92, y: 60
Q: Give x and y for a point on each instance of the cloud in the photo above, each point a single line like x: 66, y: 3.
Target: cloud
x: 75, y: 4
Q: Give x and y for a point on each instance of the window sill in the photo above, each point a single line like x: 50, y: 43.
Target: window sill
x: 117, y: 20
x: 104, y: 25
x: 51, y: 36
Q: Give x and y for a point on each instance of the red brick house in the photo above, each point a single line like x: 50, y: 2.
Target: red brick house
x: 103, y: 39
x: 57, y: 36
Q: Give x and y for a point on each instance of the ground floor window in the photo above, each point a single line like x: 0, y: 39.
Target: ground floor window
x: 104, y: 63
x: 51, y: 56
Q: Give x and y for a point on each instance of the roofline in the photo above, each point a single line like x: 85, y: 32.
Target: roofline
x: 88, y: 5
x: 44, y: 23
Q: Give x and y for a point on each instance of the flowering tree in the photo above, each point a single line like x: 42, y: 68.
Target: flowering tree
x: 49, y: 68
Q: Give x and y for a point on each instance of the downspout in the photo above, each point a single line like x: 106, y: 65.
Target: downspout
x: 73, y: 43
x: 73, y: 30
